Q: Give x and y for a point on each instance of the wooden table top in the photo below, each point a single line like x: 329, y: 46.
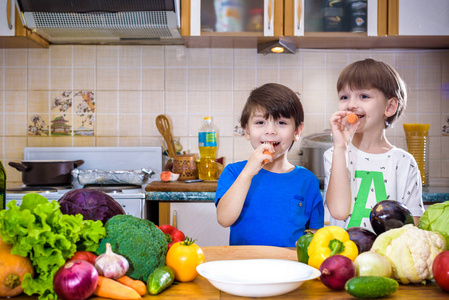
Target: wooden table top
x: 181, y: 186
x: 200, y: 288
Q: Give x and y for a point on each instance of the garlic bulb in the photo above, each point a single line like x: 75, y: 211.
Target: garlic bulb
x: 110, y: 264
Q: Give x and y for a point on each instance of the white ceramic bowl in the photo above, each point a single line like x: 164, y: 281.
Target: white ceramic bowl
x: 257, y: 277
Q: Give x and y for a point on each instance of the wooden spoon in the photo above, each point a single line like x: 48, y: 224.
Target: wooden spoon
x: 164, y: 127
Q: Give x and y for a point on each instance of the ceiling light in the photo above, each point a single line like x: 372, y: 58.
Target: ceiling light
x: 279, y: 46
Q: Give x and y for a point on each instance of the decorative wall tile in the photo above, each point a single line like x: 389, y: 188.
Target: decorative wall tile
x: 38, y: 125
x: 61, y: 124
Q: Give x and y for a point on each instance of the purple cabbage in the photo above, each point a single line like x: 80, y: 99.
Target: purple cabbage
x: 92, y: 204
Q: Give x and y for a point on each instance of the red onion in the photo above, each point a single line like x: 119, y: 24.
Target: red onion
x: 336, y: 270
x: 76, y: 280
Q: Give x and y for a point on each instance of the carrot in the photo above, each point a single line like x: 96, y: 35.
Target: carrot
x: 110, y: 288
x: 267, y: 152
x: 137, y: 285
x: 352, y: 118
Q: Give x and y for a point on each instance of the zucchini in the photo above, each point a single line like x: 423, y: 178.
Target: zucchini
x: 160, y: 279
x: 371, y: 286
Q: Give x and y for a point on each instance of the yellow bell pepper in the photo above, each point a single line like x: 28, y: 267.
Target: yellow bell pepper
x: 328, y: 241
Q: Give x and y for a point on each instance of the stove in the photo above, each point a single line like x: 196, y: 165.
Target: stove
x: 131, y: 197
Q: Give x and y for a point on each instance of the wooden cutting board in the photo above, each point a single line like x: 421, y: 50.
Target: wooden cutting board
x: 181, y: 186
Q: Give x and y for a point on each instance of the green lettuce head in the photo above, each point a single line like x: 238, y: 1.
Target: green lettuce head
x: 435, y: 218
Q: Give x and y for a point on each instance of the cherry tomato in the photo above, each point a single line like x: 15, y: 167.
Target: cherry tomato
x: 352, y: 118
x: 85, y: 255
x: 183, y: 258
x: 440, y: 270
x: 165, y: 176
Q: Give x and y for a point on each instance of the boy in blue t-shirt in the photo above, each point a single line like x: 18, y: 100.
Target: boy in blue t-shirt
x: 266, y: 200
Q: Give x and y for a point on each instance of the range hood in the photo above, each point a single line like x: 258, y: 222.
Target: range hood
x: 103, y: 21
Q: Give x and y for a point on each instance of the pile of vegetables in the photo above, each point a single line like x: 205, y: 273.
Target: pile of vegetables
x: 370, y: 265
x: 39, y: 231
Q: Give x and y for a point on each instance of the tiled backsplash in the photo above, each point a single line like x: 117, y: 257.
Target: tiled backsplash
x: 131, y: 85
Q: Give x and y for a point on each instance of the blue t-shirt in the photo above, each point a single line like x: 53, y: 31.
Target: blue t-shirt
x: 278, y: 206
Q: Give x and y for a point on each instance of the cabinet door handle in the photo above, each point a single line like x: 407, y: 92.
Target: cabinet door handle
x: 299, y: 13
x: 9, y: 14
x: 175, y: 219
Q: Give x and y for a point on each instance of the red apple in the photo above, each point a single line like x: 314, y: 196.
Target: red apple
x: 440, y: 270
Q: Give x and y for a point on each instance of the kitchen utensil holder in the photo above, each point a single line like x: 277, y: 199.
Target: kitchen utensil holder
x: 185, y: 165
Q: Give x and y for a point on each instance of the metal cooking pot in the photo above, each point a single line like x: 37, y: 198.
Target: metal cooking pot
x: 312, y: 148
x: 46, y: 172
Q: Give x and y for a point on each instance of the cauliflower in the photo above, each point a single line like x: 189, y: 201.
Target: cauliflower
x: 139, y: 241
x: 411, y: 252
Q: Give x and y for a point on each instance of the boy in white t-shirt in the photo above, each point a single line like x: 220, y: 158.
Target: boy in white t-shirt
x: 363, y: 167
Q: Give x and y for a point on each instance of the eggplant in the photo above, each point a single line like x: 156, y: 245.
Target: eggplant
x: 389, y: 214
x: 362, y: 237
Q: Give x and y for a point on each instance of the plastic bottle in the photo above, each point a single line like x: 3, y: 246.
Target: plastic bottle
x: 2, y: 186
x: 207, y: 144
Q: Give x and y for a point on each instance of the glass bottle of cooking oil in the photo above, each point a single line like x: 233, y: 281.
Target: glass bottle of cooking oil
x: 2, y: 186
x: 207, y: 144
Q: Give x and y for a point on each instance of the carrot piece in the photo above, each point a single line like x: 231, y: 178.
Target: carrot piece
x: 267, y: 152
x: 137, y: 285
x: 110, y: 288
x: 352, y: 118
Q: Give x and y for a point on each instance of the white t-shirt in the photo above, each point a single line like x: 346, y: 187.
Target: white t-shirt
x: 393, y: 175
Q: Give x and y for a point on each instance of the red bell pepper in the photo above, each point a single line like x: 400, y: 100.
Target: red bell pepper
x: 173, y: 234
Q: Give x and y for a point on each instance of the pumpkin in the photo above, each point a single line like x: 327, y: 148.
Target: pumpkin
x: 12, y: 270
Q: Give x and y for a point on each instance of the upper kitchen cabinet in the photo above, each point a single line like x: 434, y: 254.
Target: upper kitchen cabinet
x: 232, y: 18
x: 418, y: 18
x: 230, y: 23
x: 308, y: 23
x: 335, y: 18
x: 12, y: 33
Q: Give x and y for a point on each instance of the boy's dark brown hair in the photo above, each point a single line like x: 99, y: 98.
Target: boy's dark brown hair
x: 276, y: 100
x: 374, y: 74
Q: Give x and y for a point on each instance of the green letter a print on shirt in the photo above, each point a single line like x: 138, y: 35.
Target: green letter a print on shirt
x: 369, y: 178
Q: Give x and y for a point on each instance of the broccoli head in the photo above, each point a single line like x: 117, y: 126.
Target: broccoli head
x: 139, y: 241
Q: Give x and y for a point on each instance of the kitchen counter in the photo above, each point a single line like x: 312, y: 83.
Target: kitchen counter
x: 205, y: 191
x: 200, y: 288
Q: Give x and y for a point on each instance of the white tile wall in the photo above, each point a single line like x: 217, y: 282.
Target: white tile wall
x: 134, y: 84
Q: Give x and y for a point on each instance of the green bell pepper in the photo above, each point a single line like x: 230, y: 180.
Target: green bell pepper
x: 302, y: 245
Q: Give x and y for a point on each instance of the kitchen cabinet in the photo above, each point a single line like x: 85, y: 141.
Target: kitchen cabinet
x: 333, y: 18
x: 188, y: 206
x: 418, y: 18
x: 300, y: 22
x: 12, y: 33
x: 244, y: 18
x: 199, y: 221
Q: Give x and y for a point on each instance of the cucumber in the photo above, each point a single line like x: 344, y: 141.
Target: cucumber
x: 160, y: 279
x: 371, y: 286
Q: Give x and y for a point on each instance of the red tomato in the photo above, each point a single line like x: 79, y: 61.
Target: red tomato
x: 165, y: 176
x: 85, y: 255
x: 440, y: 270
